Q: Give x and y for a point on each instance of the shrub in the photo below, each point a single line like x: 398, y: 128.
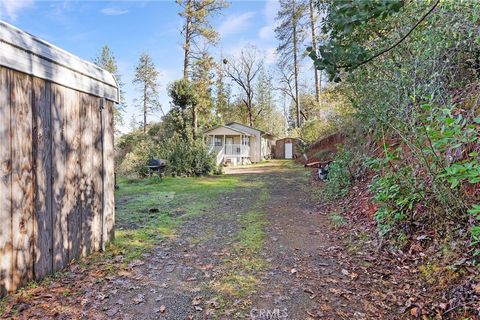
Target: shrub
x: 184, y: 157
x: 339, y: 176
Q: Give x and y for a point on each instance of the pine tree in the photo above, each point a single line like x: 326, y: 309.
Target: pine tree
x: 313, y: 27
x: 290, y: 33
x: 196, y: 26
x: 106, y: 60
x: 202, y: 80
x: 146, y: 79
x: 183, y: 97
x: 222, y: 95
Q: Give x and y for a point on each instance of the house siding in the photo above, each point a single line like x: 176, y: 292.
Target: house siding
x: 255, y: 141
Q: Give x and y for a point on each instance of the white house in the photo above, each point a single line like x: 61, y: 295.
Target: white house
x: 235, y: 143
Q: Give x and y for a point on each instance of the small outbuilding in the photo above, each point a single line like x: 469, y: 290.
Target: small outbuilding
x: 287, y: 148
x: 56, y: 158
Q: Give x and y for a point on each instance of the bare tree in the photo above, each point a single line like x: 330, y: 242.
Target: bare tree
x: 243, y: 71
x: 288, y: 86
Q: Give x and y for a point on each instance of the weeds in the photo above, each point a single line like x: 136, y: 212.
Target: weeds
x: 337, y: 220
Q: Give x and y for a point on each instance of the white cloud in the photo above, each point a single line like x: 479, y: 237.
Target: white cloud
x: 235, y: 24
x: 270, y: 12
x: 271, y: 9
x: 267, y: 32
x: 11, y: 8
x: 113, y: 11
x: 270, y: 55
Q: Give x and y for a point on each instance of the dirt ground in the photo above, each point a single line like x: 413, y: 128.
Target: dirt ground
x: 219, y: 265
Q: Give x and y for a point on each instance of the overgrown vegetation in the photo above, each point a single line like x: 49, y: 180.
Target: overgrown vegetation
x: 414, y: 89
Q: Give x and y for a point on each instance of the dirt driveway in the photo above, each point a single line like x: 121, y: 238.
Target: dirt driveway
x: 258, y: 252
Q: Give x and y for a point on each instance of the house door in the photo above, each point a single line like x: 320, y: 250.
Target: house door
x: 228, y: 146
x: 288, y: 150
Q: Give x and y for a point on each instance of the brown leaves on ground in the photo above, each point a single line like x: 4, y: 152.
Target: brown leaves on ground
x: 425, y: 280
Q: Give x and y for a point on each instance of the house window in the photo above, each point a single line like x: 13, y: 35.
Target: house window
x: 246, y: 141
x: 218, y: 141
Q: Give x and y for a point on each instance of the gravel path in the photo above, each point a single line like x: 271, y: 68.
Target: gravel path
x: 307, y: 274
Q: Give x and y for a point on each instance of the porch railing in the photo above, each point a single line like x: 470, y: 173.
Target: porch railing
x: 237, y: 150
x: 232, y: 150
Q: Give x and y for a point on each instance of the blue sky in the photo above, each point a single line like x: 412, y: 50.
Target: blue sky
x: 133, y: 27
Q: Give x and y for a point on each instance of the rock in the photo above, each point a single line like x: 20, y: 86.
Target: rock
x: 169, y: 268
x: 139, y: 299
x: 112, y: 312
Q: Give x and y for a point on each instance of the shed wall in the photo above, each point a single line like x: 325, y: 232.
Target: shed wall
x: 280, y: 148
x: 56, y: 177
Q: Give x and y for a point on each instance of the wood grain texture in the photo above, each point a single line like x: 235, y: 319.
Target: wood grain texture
x: 108, y: 174
x: 86, y: 182
x: 72, y: 141
x: 6, y: 252
x: 43, y: 231
x: 60, y: 229
x: 97, y: 173
x: 22, y: 178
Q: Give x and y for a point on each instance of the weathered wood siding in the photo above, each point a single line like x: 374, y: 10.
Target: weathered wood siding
x: 56, y: 177
x: 280, y: 148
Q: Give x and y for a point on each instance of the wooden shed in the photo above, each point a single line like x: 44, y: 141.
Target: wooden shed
x: 287, y: 148
x: 56, y: 158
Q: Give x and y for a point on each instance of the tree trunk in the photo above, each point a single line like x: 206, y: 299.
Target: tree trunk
x: 194, y: 120
x: 144, y: 109
x: 314, y: 47
x: 188, y: 23
x: 295, y: 61
x: 250, y: 111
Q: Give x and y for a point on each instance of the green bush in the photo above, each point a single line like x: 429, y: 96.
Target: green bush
x: 184, y: 157
x: 397, y: 194
x: 339, y: 176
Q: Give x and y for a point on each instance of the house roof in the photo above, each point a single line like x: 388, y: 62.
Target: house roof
x: 261, y: 131
x: 226, y: 126
x: 28, y: 54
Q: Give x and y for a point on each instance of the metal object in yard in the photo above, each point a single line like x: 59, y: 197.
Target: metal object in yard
x: 323, y: 173
x: 322, y: 168
x: 158, y: 166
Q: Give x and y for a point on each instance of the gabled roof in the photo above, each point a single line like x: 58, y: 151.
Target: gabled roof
x: 261, y: 131
x: 226, y: 126
x: 28, y: 54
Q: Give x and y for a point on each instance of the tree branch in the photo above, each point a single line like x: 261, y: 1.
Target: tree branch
x: 399, y: 41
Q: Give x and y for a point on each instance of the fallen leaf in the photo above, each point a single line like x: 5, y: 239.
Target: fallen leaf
x: 196, y: 301
x: 414, y: 312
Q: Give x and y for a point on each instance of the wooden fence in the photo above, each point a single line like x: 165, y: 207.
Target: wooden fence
x: 56, y: 177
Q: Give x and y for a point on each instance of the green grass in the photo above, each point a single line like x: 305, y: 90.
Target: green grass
x: 337, y: 220
x: 149, y: 210
x: 244, y: 264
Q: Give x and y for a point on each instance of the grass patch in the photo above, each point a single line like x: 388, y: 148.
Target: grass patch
x: 3, y: 304
x: 337, y: 220
x: 149, y: 210
x: 244, y: 264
